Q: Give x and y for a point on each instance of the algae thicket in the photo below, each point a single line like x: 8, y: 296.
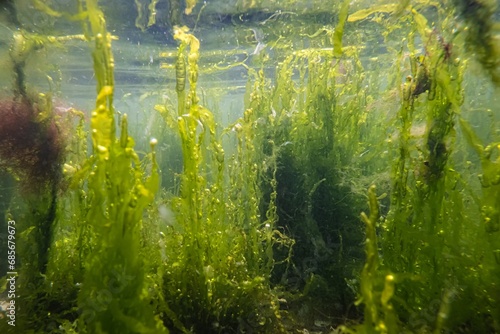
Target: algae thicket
x: 231, y: 196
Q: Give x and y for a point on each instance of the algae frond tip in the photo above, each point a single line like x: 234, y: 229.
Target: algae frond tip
x: 153, y: 142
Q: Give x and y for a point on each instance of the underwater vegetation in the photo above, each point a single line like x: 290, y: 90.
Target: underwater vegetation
x: 32, y: 149
x: 31, y: 145
x: 190, y: 217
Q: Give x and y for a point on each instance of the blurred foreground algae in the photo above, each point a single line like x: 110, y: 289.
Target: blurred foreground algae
x: 113, y: 297
x: 379, y: 315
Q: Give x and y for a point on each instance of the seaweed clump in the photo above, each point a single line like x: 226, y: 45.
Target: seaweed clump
x: 31, y: 144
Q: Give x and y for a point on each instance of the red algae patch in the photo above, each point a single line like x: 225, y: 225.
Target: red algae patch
x: 31, y: 144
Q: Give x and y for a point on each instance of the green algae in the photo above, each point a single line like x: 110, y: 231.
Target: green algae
x: 265, y: 236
